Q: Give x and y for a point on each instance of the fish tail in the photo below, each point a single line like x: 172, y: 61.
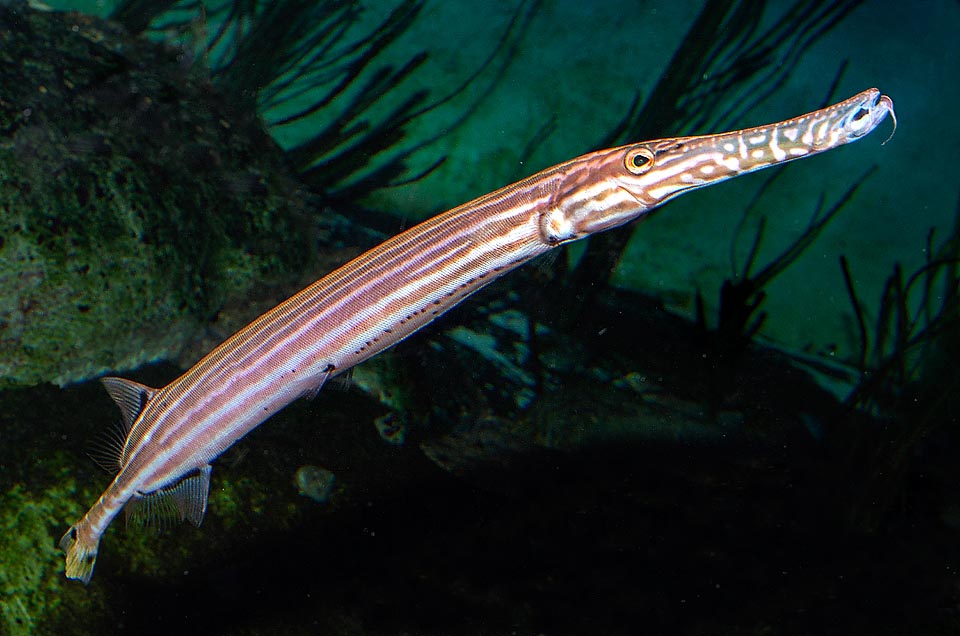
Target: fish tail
x: 81, y: 552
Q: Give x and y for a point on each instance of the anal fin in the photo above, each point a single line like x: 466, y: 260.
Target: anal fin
x: 186, y: 500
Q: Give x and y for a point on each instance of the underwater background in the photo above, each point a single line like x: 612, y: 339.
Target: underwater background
x: 737, y: 417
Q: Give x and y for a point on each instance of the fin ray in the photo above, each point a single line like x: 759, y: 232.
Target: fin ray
x: 130, y: 396
x: 312, y: 391
x: 185, y: 500
x: 106, y: 448
x: 81, y: 555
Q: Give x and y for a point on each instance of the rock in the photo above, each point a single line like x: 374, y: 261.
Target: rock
x: 135, y: 201
x: 315, y: 482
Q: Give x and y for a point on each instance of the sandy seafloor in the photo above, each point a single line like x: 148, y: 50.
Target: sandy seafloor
x: 582, y: 63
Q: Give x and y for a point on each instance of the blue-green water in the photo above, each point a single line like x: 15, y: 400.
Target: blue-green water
x: 534, y: 463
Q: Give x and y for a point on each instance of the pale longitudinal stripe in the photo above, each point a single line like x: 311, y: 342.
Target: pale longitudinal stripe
x: 387, y: 293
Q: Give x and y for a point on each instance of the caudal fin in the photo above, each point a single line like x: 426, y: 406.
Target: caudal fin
x: 81, y: 555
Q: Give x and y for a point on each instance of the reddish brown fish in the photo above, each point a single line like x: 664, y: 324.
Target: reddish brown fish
x: 384, y: 295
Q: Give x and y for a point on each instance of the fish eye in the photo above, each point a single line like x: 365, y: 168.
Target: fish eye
x: 638, y: 160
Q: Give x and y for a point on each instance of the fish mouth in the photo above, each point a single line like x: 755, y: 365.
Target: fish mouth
x: 868, y: 115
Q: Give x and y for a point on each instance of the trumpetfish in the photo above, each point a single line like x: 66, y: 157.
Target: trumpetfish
x: 384, y: 295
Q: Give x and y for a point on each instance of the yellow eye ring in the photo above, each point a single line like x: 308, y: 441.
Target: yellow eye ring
x: 638, y: 160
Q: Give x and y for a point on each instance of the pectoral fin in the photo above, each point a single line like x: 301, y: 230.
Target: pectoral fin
x: 312, y: 391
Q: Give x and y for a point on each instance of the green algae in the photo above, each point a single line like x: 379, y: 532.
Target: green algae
x: 315, y: 482
x: 31, y: 578
x: 135, y: 201
x: 235, y: 502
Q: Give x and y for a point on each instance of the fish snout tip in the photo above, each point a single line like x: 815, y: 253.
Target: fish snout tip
x: 867, y: 112
x: 885, y: 103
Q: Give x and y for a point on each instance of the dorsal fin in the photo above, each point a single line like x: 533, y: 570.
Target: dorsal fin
x: 106, y: 448
x: 185, y: 500
x: 130, y: 396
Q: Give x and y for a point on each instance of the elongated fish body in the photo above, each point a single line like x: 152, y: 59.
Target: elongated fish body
x: 384, y: 295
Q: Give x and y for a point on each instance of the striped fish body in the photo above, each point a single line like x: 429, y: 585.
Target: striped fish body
x: 396, y: 288
x: 341, y: 320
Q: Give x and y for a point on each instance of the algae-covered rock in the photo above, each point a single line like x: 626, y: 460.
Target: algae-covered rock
x: 315, y: 482
x: 31, y: 572
x: 134, y: 201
